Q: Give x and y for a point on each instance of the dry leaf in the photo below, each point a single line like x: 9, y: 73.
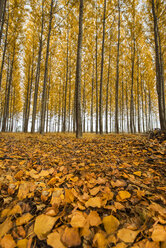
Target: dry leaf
x: 43, y: 225
x: 78, y: 219
x: 94, y: 218
x: 99, y: 240
x: 159, y: 233
x: 94, y: 202
x: 54, y: 240
x: 7, y: 242
x: 23, y: 219
x: 127, y: 235
x: 111, y: 224
x: 22, y: 243
x: 124, y: 195
x: 71, y: 237
x: 5, y: 227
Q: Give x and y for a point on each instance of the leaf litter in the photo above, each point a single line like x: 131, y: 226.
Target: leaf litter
x: 99, y: 191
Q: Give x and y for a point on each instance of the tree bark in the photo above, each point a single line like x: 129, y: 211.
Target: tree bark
x: 78, y: 74
x: 101, y: 76
x: 117, y: 75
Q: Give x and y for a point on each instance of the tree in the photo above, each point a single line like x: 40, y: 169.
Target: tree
x: 78, y: 74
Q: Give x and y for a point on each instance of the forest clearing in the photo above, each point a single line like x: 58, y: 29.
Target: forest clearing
x: 98, y: 191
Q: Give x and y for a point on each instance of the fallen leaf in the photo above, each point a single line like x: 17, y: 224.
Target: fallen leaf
x: 124, y: 195
x: 94, y: 202
x: 7, y: 242
x: 99, y: 240
x: 94, y: 218
x: 71, y: 237
x: 111, y: 224
x: 23, y: 219
x: 78, y: 219
x: 43, y: 225
x: 22, y: 243
x: 138, y: 173
x: 159, y: 233
x: 54, y: 240
x: 127, y: 235
x: 5, y: 227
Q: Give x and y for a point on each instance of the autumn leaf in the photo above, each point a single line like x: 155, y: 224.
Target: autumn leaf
x: 54, y: 240
x: 5, y: 227
x: 78, y: 219
x: 159, y: 233
x: 127, y: 235
x: 94, y: 202
x: 71, y: 237
x: 7, y: 242
x: 94, y: 218
x: 99, y: 240
x: 111, y: 224
x: 43, y: 225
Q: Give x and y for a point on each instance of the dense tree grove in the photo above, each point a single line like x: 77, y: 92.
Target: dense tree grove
x: 85, y: 66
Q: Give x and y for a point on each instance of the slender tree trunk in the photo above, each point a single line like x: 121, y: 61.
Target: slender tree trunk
x: 117, y: 75
x: 138, y: 96
x: 142, y: 96
x: 107, y: 91
x: 101, y: 76
x: 69, y: 97
x: 38, y: 72
x: 97, y: 109
x: 132, y: 84
x: 78, y: 74
x: 6, y: 105
x: 92, y: 96
x: 2, y: 16
x: 84, y: 104
x: 43, y: 102
x: 67, y: 70
x: 159, y: 84
x: 4, y: 50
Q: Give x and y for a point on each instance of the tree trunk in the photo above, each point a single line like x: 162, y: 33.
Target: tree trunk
x: 38, y: 72
x: 43, y: 102
x: 159, y: 84
x: 78, y: 74
x: 92, y: 96
x: 2, y: 16
x: 117, y: 75
x: 107, y: 91
x: 97, y: 109
x: 101, y: 76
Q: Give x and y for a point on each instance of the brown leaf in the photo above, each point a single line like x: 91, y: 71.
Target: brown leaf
x: 94, y: 202
x: 71, y: 237
x: 159, y: 233
x: 94, y: 218
x: 23, y: 219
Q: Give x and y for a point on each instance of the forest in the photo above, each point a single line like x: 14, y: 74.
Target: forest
x: 82, y: 123
x: 122, y: 67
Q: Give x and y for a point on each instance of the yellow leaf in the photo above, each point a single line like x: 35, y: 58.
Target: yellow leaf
x: 54, y: 240
x: 124, y: 195
x: 43, y: 225
x: 127, y: 235
x: 99, y: 240
x: 16, y: 210
x: 159, y: 233
x: 95, y: 190
x: 22, y: 243
x: 138, y: 173
x: 44, y: 173
x: 71, y: 237
x: 24, y: 219
x: 78, y: 219
x: 120, y: 245
x: 94, y: 219
x: 94, y: 202
x: 110, y: 224
x: 8, y: 242
x: 19, y: 175
x: 5, y: 227
x: 69, y: 197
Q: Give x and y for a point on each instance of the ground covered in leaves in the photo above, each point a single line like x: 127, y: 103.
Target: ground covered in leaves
x: 98, y: 191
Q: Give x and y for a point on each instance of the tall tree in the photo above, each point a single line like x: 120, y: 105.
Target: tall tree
x: 78, y: 74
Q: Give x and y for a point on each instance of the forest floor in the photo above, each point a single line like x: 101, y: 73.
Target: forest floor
x: 98, y: 191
